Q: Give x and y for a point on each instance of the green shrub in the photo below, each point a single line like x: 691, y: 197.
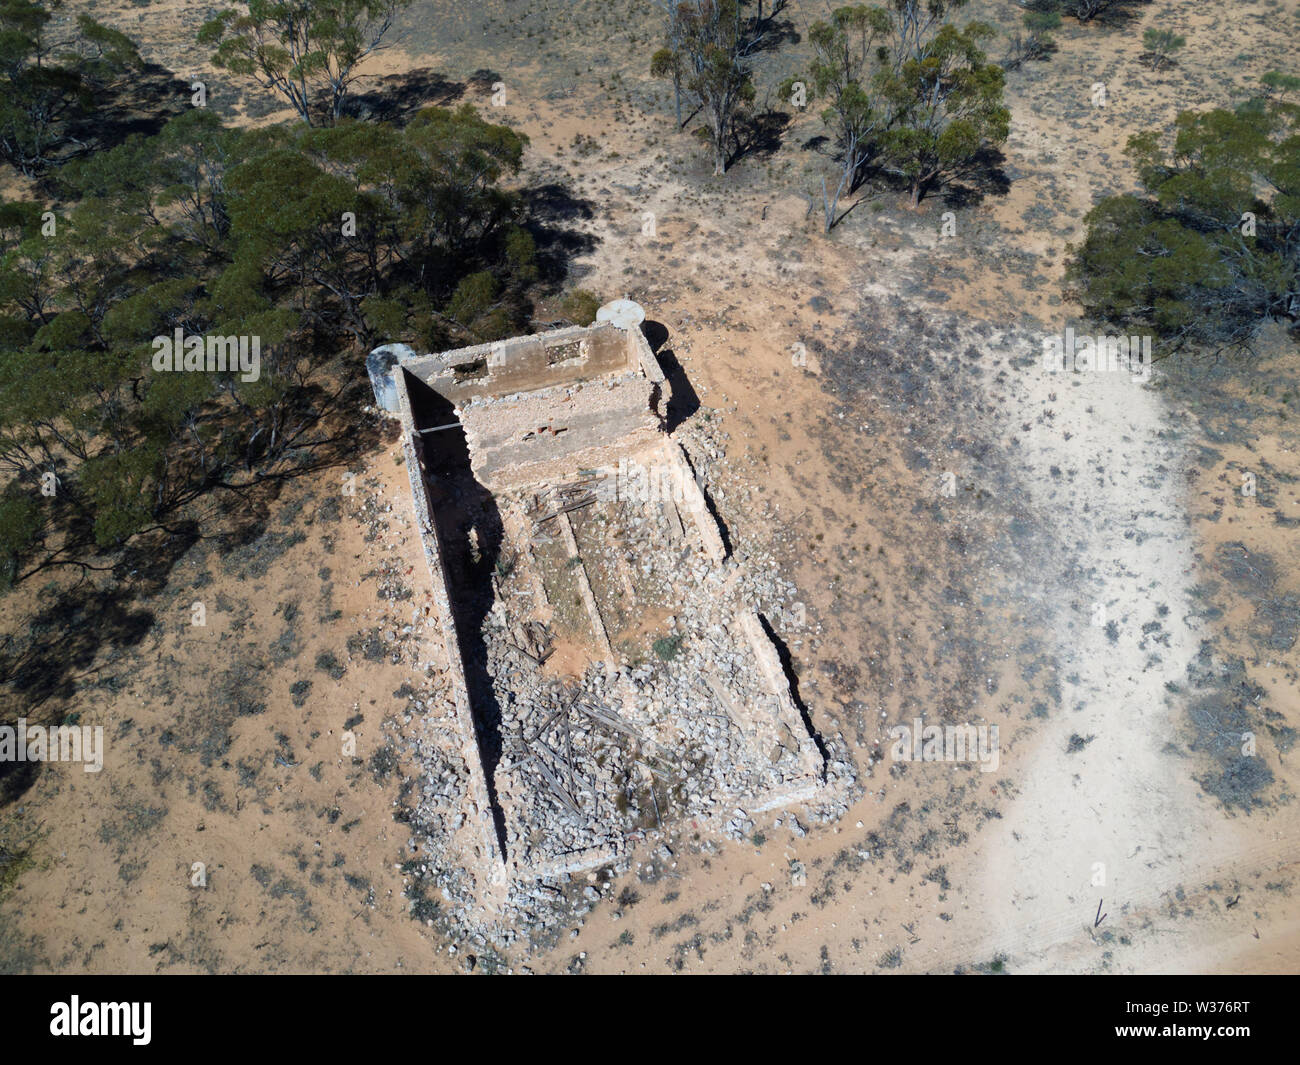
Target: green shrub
x: 580, y: 306
x: 667, y: 647
x: 1160, y: 45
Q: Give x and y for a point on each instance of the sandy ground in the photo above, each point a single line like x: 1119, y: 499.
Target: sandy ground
x: 921, y: 359
x: 1120, y: 822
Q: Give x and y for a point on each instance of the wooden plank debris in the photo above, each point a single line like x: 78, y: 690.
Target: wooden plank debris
x: 565, y: 799
x: 657, y: 772
x: 547, y: 724
x: 577, y: 505
x: 606, y: 717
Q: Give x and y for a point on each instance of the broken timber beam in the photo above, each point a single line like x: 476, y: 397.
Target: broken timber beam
x: 566, y: 800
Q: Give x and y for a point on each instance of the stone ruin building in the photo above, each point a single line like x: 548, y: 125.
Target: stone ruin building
x: 608, y: 678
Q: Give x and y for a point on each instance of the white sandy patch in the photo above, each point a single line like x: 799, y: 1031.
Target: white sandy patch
x: 1120, y: 821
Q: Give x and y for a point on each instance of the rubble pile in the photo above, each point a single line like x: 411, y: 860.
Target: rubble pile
x: 678, y: 722
x: 609, y: 677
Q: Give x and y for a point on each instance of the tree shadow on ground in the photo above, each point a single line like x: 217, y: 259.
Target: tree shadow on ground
x: 760, y: 135
x: 142, y: 104
x: 777, y: 32
x: 482, y: 80
x: 983, y: 177
x: 42, y: 672
x: 396, y: 97
x: 550, y: 211
x: 40, y: 675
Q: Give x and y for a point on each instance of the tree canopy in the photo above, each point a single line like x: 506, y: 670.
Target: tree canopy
x: 1209, y: 249
x: 906, y: 91
x: 304, y: 50
x: 310, y: 240
x: 710, y: 53
x: 48, y: 80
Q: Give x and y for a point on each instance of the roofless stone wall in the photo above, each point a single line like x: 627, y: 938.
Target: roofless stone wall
x: 552, y: 423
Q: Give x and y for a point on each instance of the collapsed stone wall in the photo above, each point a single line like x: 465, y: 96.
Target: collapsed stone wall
x: 671, y: 714
x: 544, y: 436
x: 488, y: 846
x: 606, y: 394
x: 526, y: 364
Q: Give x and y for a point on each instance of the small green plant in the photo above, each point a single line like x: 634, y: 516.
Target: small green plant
x: 327, y: 662
x: 584, y: 145
x: 1040, y: 25
x: 1277, y: 82
x: 580, y: 306
x: 13, y: 863
x: 1160, y: 45
x: 667, y: 647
